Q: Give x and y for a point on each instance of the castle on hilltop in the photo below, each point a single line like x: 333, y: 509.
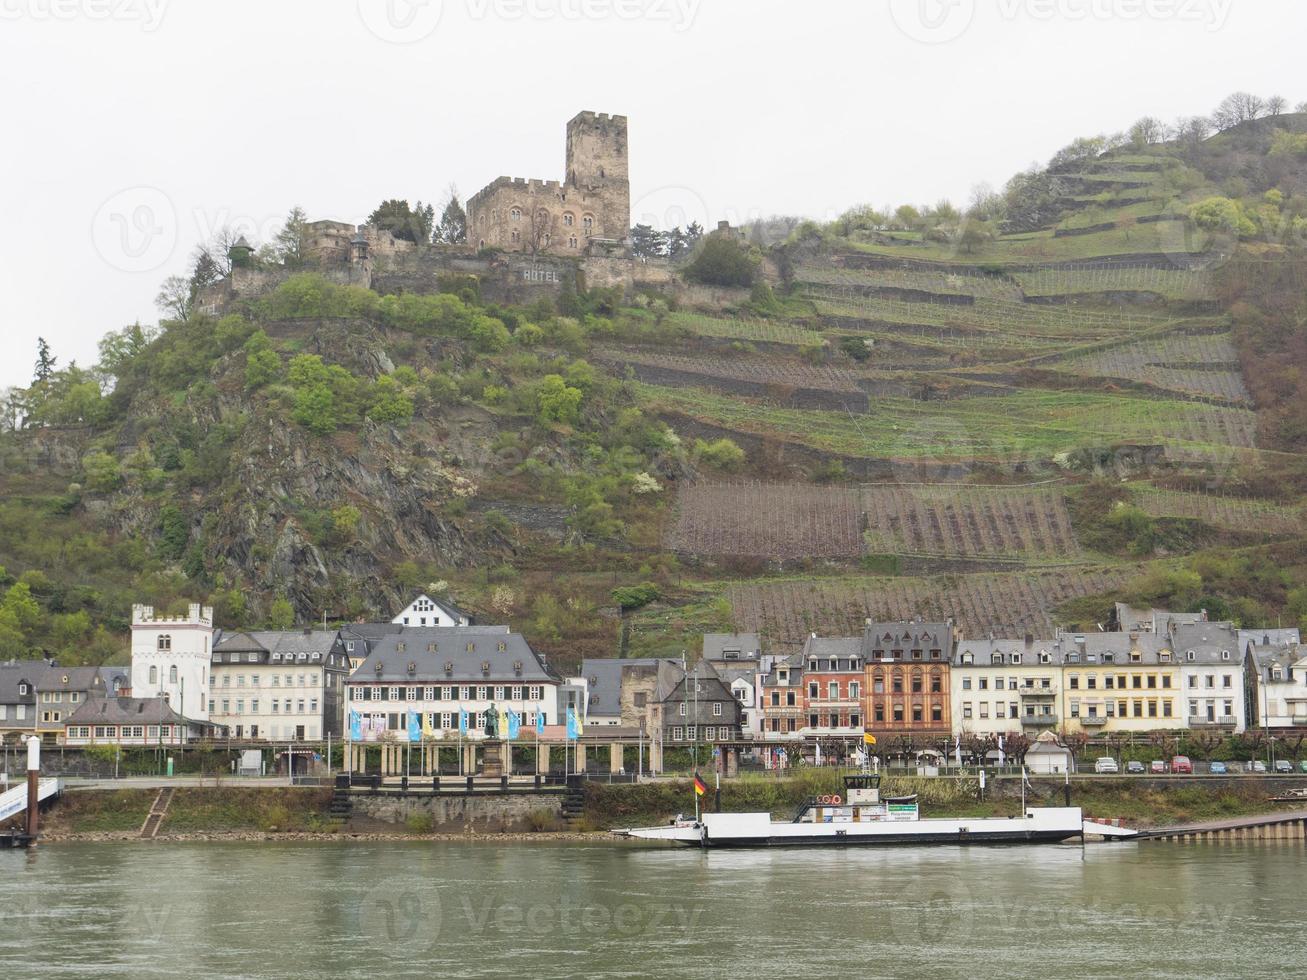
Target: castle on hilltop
x: 589, y: 209
x: 525, y: 238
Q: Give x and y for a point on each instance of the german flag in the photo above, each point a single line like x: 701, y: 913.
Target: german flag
x: 700, y: 787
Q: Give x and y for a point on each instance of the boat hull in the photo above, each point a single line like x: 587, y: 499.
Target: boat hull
x: 1039, y: 826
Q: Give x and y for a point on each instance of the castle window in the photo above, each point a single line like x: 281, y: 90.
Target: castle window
x: 165, y: 642
x: 154, y: 676
x: 515, y: 214
x: 516, y: 237
x: 568, y: 219
x: 571, y: 242
x: 588, y: 224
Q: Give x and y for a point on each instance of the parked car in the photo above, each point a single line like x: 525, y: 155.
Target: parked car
x: 1181, y: 764
x: 1106, y: 764
x: 1283, y: 765
x: 1134, y: 767
x: 1217, y: 769
x: 1257, y: 765
x: 1302, y: 766
x: 1157, y: 767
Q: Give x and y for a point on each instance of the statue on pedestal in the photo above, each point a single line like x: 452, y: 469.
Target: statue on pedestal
x: 492, y: 722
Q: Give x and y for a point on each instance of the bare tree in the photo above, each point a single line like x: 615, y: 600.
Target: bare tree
x: 541, y: 231
x: 175, y: 298
x: 1192, y: 130
x: 1147, y: 130
x: 1236, y: 108
x: 1276, y: 105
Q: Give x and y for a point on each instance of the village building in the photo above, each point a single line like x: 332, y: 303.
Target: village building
x: 1276, y: 686
x: 1120, y: 682
x: 906, y: 683
x: 1049, y: 757
x: 833, y: 677
x: 721, y: 649
x: 695, y: 705
x: 439, y: 673
x: 1211, y: 675
x: 60, y: 691
x: 781, y: 697
x: 18, y: 679
x: 170, y: 658
x: 279, y: 685
x: 425, y: 611
x: 132, y: 721
x: 1002, y: 686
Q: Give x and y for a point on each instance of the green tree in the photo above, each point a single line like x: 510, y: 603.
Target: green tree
x: 1222, y: 214
x: 722, y: 454
x: 100, y: 471
x: 409, y: 224
x: 723, y: 261
x: 390, y: 402
x: 647, y: 242
x: 281, y: 614
x: 45, y: 362
x: 557, y: 401
x: 452, y: 228
x: 175, y: 298
x: 174, y: 532
x: 289, y: 243
x: 261, y: 367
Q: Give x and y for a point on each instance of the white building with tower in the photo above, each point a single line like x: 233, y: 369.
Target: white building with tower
x: 170, y: 658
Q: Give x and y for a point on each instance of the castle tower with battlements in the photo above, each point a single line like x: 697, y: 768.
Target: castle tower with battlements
x: 590, y: 206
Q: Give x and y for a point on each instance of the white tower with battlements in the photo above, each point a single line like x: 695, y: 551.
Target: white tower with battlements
x: 170, y: 658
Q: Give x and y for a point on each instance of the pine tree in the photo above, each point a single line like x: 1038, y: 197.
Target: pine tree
x: 288, y: 244
x: 45, y: 361
x: 452, y: 229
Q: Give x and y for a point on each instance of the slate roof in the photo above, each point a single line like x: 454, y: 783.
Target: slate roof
x: 13, y: 674
x: 982, y: 652
x: 883, y: 637
x: 285, y: 642
x: 81, y: 678
x: 831, y: 647
x: 743, y: 646
x: 604, y: 679
x: 126, y: 711
x: 431, y: 648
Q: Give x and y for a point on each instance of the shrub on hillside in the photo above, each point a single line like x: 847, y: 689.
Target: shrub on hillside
x: 723, y: 261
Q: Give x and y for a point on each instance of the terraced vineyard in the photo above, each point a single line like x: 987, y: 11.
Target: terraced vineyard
x: 789, y: 521
x: 755, y: 331
x: 1204, y: 365
x: 775, y: 520
x: 1011, y: 604
x: 965, y: 521
x: 1234, y: 513
x: 1021, y: 425
x: 1068, y: 280
x: 751, y: 369
x: 916, y: 277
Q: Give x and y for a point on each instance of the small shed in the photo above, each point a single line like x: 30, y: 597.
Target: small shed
x: 251, y: 763
x: 1050, y: 758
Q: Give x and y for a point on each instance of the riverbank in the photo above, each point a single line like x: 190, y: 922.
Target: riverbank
x: 246, y: 813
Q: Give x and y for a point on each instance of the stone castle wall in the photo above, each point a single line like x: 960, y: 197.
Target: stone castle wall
x: 592, y: 202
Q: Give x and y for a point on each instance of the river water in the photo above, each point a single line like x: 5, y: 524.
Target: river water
x: 384, y: 910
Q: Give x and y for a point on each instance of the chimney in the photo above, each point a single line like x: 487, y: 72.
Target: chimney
x: 1030, y: 639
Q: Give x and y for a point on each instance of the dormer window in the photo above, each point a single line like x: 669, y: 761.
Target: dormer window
x: 502, y: 646
x: 412, y: 667
x: 485, y: 668
x: 449, y: 666
x: 1277, y: 673
x: 1225, y: 654
x: 1190, y: 655
x: 1044, y: 658
x: 431, y: 648
x: 1016, y: 658
x: 400, y: 646
x: 378, y: 668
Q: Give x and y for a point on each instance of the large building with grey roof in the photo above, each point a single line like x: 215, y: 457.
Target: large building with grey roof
x: 279, y: 685
x: 442, y: 672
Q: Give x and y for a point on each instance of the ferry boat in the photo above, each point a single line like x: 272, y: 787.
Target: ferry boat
x: 860, y: 816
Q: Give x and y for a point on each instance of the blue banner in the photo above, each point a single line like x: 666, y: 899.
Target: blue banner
x: 540, y: 722
x: 462, y: 721
x: 514, y: 723
x: 414, y: 727
x: 355, y: 727
x: 573, y: 728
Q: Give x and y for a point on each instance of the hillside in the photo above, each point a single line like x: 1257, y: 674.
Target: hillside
x: 1083, y: 391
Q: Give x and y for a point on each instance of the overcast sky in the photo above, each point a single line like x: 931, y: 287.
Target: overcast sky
x: 134, y: 128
